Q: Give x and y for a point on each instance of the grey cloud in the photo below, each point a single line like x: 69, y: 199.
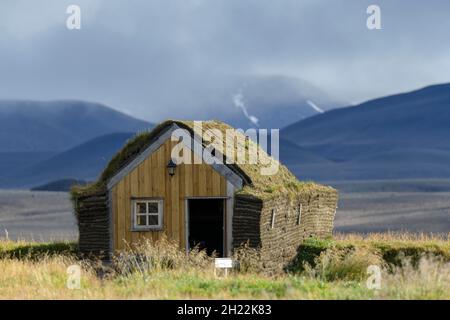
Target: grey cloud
x: 165, y: 58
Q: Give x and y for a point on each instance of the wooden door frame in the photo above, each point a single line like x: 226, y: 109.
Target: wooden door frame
x: 224, y: 221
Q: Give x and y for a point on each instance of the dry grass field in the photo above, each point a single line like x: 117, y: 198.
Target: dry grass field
x: 413, y: 265
x: 327, y: 269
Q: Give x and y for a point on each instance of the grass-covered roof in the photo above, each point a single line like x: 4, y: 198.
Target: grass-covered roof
x: 255, y: 182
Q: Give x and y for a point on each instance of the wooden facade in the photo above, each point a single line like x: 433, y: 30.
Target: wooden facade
x: 150, y: 179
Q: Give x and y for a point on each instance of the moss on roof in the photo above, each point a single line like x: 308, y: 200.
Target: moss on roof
x: 255, y: 183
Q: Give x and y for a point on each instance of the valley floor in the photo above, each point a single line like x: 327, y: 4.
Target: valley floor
x: 36, y: 216
x: 363, y: 212
x: 363, y: 207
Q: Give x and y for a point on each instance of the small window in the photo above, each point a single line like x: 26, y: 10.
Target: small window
x: 147, y: 214
x: 299, y: 214
x: 272, y: 220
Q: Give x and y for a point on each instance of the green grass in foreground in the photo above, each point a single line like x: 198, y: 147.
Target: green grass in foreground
x: 324, y: 269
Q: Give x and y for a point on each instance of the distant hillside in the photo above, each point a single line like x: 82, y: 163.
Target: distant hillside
x: 15, y: 161
x: 31, y: 126
x: 63, y: 185
x: 274, y: 101
x: 83, y: 162
x: 291, y: 153
x: 401, y: 136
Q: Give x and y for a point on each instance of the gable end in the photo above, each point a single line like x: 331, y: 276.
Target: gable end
x: 222, y: 169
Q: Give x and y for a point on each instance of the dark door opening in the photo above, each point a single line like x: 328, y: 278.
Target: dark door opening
x: 206, y: 221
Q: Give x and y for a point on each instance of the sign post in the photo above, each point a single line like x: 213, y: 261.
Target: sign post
x: 223, y: 263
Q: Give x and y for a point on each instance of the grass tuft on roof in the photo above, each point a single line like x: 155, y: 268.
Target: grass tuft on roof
x: 255, y: 183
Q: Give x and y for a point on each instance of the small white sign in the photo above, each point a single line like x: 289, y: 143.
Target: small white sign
x: 224, y: 263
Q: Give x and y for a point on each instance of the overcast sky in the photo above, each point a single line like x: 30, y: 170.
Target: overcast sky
x: 148, y: 57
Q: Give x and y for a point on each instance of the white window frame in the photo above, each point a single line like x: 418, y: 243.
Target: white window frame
x: 147, y: 227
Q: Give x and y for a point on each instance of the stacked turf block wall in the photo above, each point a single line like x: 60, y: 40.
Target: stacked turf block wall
x: 92, y: 212
x: 252, y: 222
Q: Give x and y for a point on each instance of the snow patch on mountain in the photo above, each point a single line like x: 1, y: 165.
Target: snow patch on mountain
x: 238, y: 100
x: 314, y: 106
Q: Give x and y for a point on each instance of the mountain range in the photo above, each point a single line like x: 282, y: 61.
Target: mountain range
x: 402, y: 136
x: 256, y: 101
x: 269, y: 101
x: 82, y: 162
x: 41, y: 141
x: 36, y: 126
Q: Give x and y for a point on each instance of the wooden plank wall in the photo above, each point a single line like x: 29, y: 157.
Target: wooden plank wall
x: 151, y: 179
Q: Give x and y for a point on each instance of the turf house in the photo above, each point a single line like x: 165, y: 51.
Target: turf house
x: 143, y: 194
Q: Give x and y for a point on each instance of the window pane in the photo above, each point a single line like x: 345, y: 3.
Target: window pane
x: 152, y: 207
x: 141, y: 207
x: 153, y: 220
x: 141, y: 220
